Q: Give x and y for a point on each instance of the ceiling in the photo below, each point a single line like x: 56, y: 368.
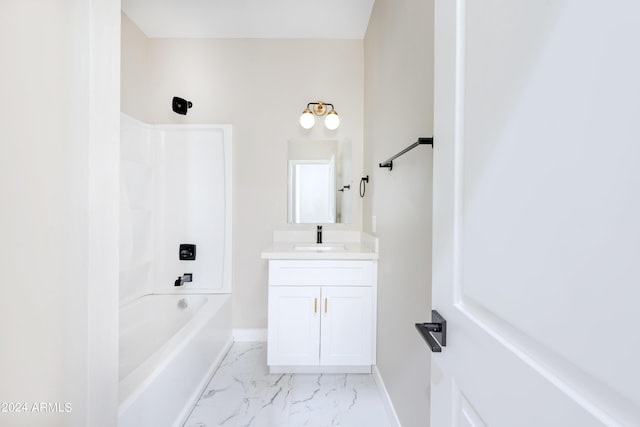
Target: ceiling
x: 315, y: 19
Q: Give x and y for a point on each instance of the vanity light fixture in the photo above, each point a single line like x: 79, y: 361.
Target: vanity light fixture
x: 307, y: 119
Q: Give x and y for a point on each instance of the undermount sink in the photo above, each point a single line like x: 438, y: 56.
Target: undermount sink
x: 319, y: 247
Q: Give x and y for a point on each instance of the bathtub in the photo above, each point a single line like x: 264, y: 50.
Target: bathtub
x: 170, y: 345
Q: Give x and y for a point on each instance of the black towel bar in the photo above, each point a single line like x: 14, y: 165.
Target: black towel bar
x: 421, y: 141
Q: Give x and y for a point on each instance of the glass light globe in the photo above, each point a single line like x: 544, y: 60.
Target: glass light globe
x: 332, y: 121
x: 306, y: 119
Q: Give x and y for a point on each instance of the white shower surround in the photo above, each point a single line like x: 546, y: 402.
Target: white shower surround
x: 175, y: 188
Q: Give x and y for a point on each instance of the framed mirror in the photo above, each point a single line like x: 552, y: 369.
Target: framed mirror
x: 320, y: 182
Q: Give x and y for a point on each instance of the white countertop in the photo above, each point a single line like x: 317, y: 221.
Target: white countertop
x: 363, y: 248
x: 352, y: 250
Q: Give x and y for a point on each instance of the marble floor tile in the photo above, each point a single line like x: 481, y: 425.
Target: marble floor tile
x: 242, y: 393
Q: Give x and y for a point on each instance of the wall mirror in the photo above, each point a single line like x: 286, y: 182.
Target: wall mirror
x: 320, y: 181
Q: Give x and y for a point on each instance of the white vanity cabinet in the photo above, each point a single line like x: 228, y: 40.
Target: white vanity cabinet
x: 321, y: 315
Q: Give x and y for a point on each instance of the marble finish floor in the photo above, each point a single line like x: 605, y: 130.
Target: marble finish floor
x: 242, y: 393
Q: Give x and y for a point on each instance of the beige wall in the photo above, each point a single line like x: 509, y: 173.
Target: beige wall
x: 398, y: 110
x: 134, y: 87
x: 261, y: 88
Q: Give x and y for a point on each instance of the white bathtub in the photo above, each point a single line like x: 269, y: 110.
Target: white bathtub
x: 168, y: 353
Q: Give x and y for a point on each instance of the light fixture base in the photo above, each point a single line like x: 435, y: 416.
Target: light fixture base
x: 319, y: 109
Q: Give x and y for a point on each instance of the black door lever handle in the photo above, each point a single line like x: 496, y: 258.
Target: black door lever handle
x: 435, y: 333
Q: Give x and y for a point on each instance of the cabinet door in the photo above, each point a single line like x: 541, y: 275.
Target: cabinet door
x: 347, y: 326
x: 294, y: 325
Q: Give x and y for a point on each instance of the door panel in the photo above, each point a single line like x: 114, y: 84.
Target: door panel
x: 294, y: 325
x: 346, y: 328
x: 466, y: 415
x: 536, y: 207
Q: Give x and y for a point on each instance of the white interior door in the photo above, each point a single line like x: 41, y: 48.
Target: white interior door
x: 536, y: 226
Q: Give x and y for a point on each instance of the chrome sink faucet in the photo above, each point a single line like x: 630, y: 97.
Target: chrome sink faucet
x: 319, y: 234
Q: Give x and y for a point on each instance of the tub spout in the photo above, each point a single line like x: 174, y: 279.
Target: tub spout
x: 186, y: 277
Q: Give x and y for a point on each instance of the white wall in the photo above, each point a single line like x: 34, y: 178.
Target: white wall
x: 58, y: 221
x: 398, y: 110
x: 260, y: 87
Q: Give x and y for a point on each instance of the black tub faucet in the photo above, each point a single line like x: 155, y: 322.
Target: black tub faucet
x: 186, y: 277
x: 319, y: 234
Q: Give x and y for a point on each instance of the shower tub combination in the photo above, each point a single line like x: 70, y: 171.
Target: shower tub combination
x: 175, y: 188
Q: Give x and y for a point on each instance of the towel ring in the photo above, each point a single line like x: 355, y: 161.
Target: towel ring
x: 363, y: 185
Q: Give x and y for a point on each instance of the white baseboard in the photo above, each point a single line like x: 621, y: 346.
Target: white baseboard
x: 386, y: 399
x: 249, y: 335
